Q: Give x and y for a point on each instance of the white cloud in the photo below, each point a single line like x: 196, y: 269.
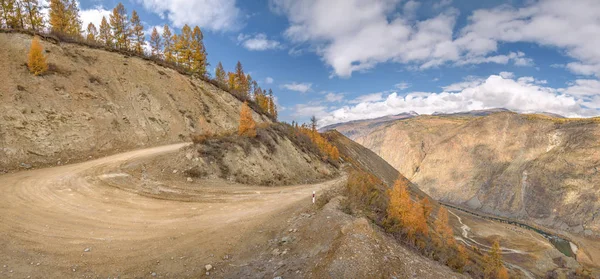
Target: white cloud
x: 94, y: 16
x: 569, y: 25
x: 507, y: 74
x: 522, y: 95
x: 299, y: 87
x: 334, y: 97
x: 258, y: 42
x: 216, y: 15
x: 470, y: 81
x: 442, y: 4
x: 583, y: 87
x: 374, y: 97
x: 356, y: 35
x: 269, y: 80
x: 403, y: 85
x: 302, y: 110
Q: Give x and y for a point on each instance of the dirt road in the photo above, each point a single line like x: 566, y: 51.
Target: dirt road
x: 65, y: 222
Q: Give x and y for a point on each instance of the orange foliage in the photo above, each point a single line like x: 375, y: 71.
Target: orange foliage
x: 247, y: 125
x: 36, y: 61
x: 324, y: 146
x: 444, y: 231
x: 426, y: 204
x: 408, y: 215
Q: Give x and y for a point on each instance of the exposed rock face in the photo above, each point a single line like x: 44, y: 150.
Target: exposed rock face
x: 532, y: 167
x: 94, y: 102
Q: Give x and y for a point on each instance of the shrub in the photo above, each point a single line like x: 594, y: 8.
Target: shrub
x: 36, y: 61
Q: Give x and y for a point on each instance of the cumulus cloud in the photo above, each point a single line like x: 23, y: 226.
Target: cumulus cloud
x: 299, y: 87
x: 357, y: 35
x: 580, y: 99
x: 373, y: 97
x: 258, y: 42
x: 216, y: 15
x: 94, y: 16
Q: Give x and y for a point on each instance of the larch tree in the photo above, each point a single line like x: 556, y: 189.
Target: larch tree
x: 272, y: 106
x: 137, y: 33
x: 34, y: 16
x: 444, y: 231
x: 400, y: 205
x: 59, y: 17
x: 198, y: 52
x: 493, y: 267
x: 231, y: 81
x: 220, y: 74
x: 155, y: 43
x: 242, y: 80
x: 36, y: 60
x: 168, y: 44
x: 105, y: 35
x: 92, y: 33
x: 182, y: 47
x: 247, y: 125
x: 74, y: 27
x: 120, y: 27
x: 18, y: 17
x: 7, y: 8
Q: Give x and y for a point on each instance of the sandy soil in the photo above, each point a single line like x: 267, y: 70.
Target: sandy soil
x: 68, y: 222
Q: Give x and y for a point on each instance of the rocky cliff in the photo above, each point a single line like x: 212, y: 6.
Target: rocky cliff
x: 537, y: 168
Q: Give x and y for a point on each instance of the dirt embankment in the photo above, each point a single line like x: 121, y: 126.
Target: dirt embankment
x: 93, y: 102
x: 534, y: 168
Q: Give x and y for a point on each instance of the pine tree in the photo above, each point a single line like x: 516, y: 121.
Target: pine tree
x: 120, y: 27
x: 220, y: 74
x: 18, y: 19
x: 35, y: 19
x: 36, y: 61
x: 198, y: 58
x: 137, y: 33
x: 105, y: 36
x: 59, y: 17
x: 6, y: 16
x: 74, y: 22
x: 168, y: 44
x: 247, y: 125
x: 92, y: 33
x: 155, y: 43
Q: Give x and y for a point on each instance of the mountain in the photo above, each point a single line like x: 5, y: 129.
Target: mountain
x: 361, y: 126
x: 531, y: 167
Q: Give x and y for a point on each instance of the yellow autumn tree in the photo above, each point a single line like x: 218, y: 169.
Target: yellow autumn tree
x: 493, y: 267
x: 445, y: 235
x: 137, y: 33
x: 167, y: 38
x: 220, y: 74
x: 36, y: 61
x: 399, y: 206
x: 155, y: 43
x: 247, y: 125
x: 105, y: 35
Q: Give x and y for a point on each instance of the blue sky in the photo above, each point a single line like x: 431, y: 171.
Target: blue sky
x: 344, y: 60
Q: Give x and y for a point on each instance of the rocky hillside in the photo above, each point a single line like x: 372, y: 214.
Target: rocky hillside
x: 536, y: 168
x: 93, y: 102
